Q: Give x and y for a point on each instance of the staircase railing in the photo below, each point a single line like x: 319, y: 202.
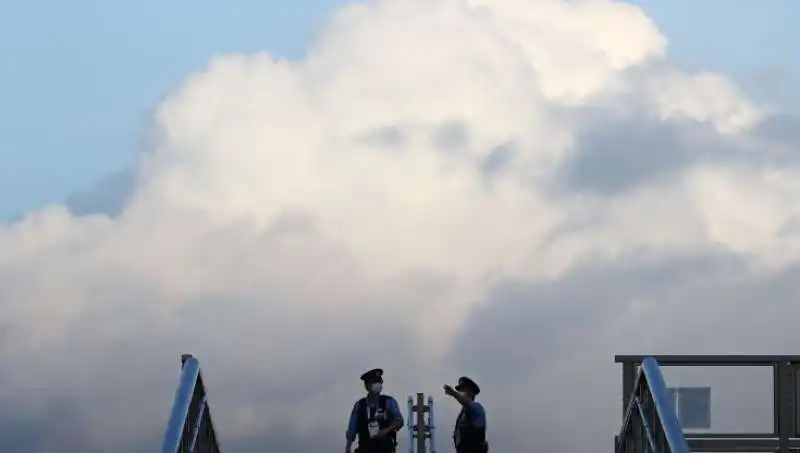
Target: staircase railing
x: 190, y: 429
x: 651, y: 424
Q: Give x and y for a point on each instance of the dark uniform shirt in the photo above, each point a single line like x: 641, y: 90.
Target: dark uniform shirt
x: 392, y: 409
x: 469, y: 434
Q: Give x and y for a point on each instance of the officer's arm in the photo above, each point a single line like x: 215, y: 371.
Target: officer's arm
x: 394, y: 412
x: 463, y: 400
x: 352, y: 426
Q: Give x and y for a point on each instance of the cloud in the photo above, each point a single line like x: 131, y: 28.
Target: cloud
x: 108, y: 197
x: 510, y: 189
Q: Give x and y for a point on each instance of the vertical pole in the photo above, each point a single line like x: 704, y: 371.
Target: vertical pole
x: 410, y: 424
x: 422, y: 432
x: 431, y: 427
x: 628, y: 382
x: 776, y: 399
x: 786, y: 391
x: 795, y: 384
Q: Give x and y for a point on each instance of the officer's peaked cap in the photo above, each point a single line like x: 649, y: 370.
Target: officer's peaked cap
x: 373, y: 375
x: 465, y: 383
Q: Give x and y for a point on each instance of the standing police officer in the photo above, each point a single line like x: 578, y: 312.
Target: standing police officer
x: 375, y: 419
x: 469, y: 435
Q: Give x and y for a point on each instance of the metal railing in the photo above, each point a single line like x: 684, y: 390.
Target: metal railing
x: 190, y: 429
x: 421, y: 433
x: 785, y: 434
x: 650, y: 424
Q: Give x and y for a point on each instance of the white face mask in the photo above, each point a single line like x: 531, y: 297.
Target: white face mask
x: 377, y: 387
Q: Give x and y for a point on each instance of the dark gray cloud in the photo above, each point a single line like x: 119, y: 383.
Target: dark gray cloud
x: 59, y: 425
x: 451, y: 136
x: 387, y: 137
x: 544, y: 352
x: 498, y: 158
x: 781, y: 129
x: 619, y: 151
x: 551, y: 315
x: 108, y: 197
x: 614, y: 156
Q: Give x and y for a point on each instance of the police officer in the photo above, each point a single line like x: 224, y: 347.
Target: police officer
x: 469, y: 435
x: 375, y: 419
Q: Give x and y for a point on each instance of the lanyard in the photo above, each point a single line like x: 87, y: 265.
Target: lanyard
x: 377, y: 408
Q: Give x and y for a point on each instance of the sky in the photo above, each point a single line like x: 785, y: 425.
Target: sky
x: 514, y: 190
x: 81, y: 77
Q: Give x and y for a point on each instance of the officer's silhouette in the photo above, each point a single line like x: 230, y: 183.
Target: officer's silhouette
x: 375, y: 419
x: 469, y: 435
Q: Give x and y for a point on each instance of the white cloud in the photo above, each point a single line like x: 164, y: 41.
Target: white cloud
x: 296, y: 222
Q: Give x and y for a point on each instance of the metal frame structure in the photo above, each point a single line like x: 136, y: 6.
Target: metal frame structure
x: 785, y: 436
x: 190, y: 429
x: 649, y: 423
x: 422, y: 430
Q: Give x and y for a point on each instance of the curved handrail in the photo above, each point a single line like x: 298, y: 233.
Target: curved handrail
x: 650, y: 416
x: 190, y: 429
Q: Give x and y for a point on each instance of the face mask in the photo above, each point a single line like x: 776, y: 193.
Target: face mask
x: 377, y: 387
x: 464, y: 394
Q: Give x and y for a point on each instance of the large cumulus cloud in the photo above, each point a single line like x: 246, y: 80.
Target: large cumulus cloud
x: 513, y: 189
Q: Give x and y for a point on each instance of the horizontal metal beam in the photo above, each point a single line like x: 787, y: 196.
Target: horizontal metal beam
x: 738, y: 445
x: 710, y: 360
x: 692, y: 435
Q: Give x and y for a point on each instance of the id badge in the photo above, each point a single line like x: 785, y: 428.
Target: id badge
x: 373, y: 429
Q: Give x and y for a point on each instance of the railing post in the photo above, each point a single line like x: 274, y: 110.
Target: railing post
x: 431, y: 427
x: 795, y: 385
x: 410, y: 424
x: 418, y: 428
x: 628, y: 383
x: 422, y: 432
x: 629, y: 376
x: 786, y: 403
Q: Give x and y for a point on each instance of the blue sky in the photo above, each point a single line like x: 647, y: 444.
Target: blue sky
x: 78, y: 78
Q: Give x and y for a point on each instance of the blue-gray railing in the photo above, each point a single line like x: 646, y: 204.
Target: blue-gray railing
x: 190, y: 429
x: 651, y: 424
x: 428, y: 430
